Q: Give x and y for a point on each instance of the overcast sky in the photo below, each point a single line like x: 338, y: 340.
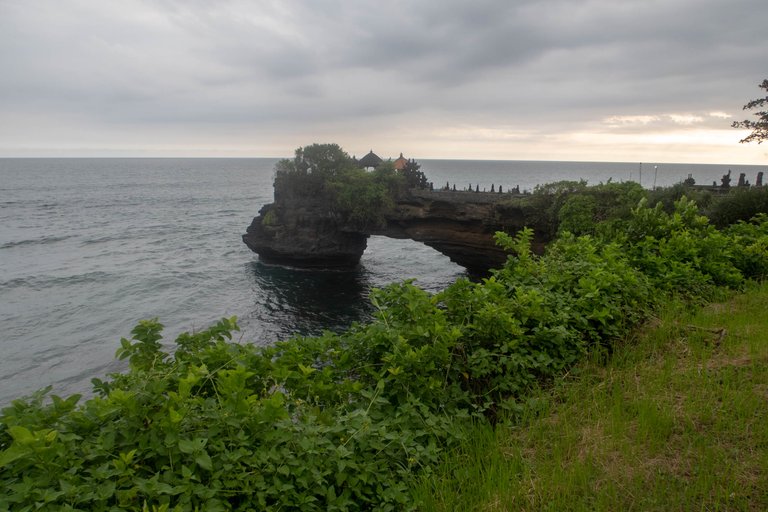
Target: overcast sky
x: 604, y: 80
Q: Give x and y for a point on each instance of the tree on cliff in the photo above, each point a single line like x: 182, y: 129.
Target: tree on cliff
x: 311, y: 170
x: 760, y: 127
x: 414, y: 178
x: 324, y: 159
x: 325, y: 174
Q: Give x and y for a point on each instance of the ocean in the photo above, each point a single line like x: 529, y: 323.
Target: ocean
x: 88, y: 247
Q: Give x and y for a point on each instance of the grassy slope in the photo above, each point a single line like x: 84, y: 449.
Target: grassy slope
x: 676, y: 420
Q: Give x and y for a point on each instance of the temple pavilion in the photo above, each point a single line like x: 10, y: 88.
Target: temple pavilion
x: 371, y: 160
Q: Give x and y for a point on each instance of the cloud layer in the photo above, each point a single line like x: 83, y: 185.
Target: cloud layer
x: 526, y: 79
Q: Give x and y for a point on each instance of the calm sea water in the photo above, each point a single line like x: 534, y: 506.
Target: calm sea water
x: 90, y: 246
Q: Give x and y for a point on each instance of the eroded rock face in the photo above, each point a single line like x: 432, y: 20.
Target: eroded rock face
x: 303, y: 237
x: 302, y: 232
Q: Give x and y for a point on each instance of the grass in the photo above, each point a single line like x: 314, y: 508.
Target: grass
x: 676, y: 419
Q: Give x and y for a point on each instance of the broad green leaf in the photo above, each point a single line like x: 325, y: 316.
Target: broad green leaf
x: 204, y: 460
x: 174, y: 415
x: 13, y: 453
x: 21, y: 434
x: 192, y: 446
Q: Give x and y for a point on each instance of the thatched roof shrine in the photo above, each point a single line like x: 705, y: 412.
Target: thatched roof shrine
x: 370, y: 160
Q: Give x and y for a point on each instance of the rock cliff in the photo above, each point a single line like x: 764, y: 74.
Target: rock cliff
x: 303, y: 231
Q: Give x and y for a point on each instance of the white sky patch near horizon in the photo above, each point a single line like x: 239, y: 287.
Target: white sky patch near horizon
x: 492, y: 79
x: 686, y: 119
x: 630, y: 120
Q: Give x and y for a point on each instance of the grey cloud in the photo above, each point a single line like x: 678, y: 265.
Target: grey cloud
x: 300, y: 63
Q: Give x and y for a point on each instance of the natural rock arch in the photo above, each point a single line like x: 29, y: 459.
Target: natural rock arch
x: 461, y: 225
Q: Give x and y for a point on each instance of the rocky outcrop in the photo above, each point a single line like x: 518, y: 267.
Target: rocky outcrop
x: 305, y: 236
x: 303, y: 232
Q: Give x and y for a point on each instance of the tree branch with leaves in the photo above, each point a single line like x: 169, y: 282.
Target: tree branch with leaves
x: 760, y: 127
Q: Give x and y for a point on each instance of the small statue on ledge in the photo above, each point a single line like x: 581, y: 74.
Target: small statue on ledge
x: 726, y: 181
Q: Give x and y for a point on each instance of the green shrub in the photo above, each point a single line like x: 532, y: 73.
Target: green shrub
x: 667, y: 196
x: 325, y: 173
x: 749, y: 243
x: 205, y: 430
x: 572, y: 206
x: 739, y: 205
x: 680, y: 252
x: 362, y: 198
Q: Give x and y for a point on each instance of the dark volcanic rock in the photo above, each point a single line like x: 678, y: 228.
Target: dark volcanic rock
x: 303, y: 238
x: 301, y: 231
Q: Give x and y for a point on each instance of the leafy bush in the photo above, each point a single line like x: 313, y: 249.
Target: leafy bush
x: 363, y: 197
x: 749, y: 243
x: 577, y: 215
x: 667, y: 196
x: 572, y: 206
x: 414, y: 177
x: 325, y: 173
x: 738, y: 205
x: 679, y: 252
x: 207, y: 430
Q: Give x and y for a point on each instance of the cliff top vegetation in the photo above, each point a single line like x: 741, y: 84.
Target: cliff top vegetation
x: 326, y: 172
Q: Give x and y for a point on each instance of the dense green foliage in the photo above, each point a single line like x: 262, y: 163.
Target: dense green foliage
x: 361, y: 198
x: 581, y: 209
x: 667, y: 196
x: 345, y: 421
x: 311, y: 168
x: 575, y: 207
x: 414, y: 177
x: 738, y: 205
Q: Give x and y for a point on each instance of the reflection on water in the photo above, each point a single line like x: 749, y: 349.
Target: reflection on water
x: 289, y: 301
